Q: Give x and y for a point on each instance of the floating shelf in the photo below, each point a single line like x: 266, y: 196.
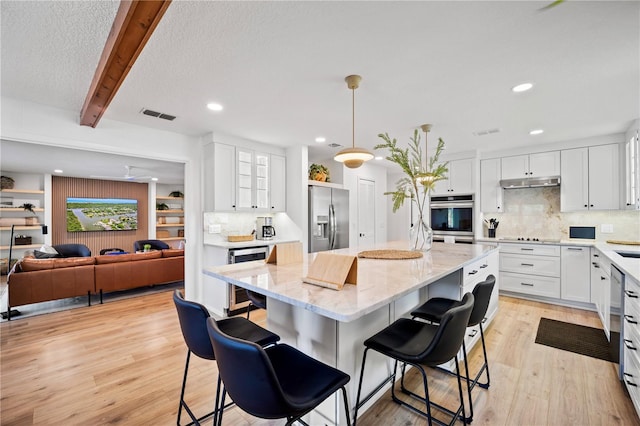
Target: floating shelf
x: 19, y: 209
x: 169, y: 198
x: 171, y: 238
x: 23, y: 246
x: 168, y: 211
x: 169, y: 225
x: 23, y: 191
x: 20, y: 228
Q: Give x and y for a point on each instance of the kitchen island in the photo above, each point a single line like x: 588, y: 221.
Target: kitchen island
x: 332, y: 325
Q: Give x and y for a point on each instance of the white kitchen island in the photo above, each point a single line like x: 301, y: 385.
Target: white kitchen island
x: 332, y: 325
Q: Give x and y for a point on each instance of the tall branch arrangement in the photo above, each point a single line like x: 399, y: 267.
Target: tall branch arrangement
x: 421, y: 172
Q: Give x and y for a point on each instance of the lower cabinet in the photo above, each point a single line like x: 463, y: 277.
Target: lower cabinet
x: 530, y: 269
x: 575, y: 283
x: 631, y: 333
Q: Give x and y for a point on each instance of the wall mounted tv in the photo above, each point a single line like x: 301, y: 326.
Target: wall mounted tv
x: 101, y: 214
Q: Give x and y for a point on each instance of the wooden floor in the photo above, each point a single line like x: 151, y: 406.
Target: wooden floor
x: 122, y: 363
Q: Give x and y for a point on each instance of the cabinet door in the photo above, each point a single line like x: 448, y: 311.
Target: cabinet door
x: 245, y: 180
x: 515, y: 167
x: 224, y: 178
x: 490, y: 190
x: 575, y: 279
x: 278, y: 184
x: 604, y: 179
x: 461, y: 176
x: 442, y: 186
x: 574, y: 180
x: 544, y: 164
x: 262, y: 181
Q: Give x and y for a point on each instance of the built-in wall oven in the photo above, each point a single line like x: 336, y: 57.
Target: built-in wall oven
x: 238, y: 300
x: 452, y: 215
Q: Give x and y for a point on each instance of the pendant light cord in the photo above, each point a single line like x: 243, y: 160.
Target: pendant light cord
x: 353, y: 117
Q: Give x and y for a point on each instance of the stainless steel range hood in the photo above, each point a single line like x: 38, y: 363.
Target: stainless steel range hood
x: 530, y: 182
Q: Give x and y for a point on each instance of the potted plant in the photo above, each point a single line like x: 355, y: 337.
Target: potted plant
x: 176, y: 194
x: 318, y: 172
x: 162, y: 206
x: 28, y: 207
x: 420, y: 175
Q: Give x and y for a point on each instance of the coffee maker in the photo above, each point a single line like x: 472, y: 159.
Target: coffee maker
x: 264, y: 228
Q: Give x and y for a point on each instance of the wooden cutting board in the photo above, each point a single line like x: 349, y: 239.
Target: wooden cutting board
x: 627, y: 243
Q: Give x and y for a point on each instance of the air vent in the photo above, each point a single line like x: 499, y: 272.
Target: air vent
x: 158, y: 114
x: 486, y: 132
x: 334, y: 145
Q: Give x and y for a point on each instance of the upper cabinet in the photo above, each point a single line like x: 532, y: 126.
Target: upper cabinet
x: 244, y: 180
x: 490, y: 190
x: 460, y: 178
x: 590, y: 178
x: 542, y: 164
x: 632, y: 170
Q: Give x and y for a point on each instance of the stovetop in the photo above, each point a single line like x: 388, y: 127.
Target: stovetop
x: 530, y: 240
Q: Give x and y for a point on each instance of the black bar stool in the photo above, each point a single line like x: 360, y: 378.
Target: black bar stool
x: 256, y: 299
x: 434, y: 309
x: 275, y: 382
x: 193, y: 322
x: 422, y: 344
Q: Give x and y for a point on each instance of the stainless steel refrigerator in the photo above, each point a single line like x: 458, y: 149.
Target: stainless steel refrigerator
x: 328, y: 218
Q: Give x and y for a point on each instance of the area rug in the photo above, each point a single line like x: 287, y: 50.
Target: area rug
x: 575, y: 338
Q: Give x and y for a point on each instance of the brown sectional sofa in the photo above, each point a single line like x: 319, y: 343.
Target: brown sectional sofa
x: 41, y: 280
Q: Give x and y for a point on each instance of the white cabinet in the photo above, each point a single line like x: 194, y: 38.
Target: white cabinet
x: 590, y: 178
x: 530, y: 269
x: 459, y: 178
x: 542, y: 164
x: 244, y: 180
x: 601, y: 287
x: 632, y: 170
x: 278, y: 193
x: 631, y: 347
x: 575, y: 274
x: 490, y: 190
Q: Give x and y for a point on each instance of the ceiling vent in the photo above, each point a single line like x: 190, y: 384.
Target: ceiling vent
x: 158, y: 114
x: 334, y: 145
x: 486, y: 132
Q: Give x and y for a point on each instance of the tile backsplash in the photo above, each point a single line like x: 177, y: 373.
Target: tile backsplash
x: 535, y: 212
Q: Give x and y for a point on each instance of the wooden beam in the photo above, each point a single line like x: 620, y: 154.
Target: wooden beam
x: 132, y: 27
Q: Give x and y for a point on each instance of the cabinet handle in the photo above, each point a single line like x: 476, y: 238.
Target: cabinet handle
x: 473, y: 272
x: 473, y: 333
x: 630, y: 321
x: 595, y: 255
x: 483, y: 266
x: 526, y: 264
x: 526, y: 249
x: 586, y: 205
x: 527, y: 284
x: 595, y: 265
x: 628, y: 382
x: 498, y: 207
x: 628, y: 344
x: 574, y: 248
x: 631, y: 294
x: 234, y: 206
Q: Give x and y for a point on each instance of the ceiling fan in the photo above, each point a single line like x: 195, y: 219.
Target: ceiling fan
x: 127, y: 176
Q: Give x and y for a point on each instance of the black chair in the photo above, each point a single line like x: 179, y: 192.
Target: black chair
x: 256, y: 299
x: 72, y: 250
x: 419, y: 343
x: 275, y: 382
x: 155, y: 245
x: 434, y: 309
x: 193, y: 322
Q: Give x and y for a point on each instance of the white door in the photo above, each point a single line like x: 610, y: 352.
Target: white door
x: 604, y: 180
x: 490, y: 190
x: 574, y: 180
x: 515, y: 167
x: 461, y: 176
x: 366, y: 213
x: 544, y: 164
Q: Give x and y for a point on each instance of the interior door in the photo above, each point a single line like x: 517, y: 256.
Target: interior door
x: 366, y: 212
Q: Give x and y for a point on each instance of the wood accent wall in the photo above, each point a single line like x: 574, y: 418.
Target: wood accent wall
x: 63, y: 187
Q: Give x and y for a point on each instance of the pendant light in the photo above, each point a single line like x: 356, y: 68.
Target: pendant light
x: 353, y: 157
x: 426, y: 176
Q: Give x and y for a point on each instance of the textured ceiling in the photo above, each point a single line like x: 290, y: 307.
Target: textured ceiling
x: 279, y: 68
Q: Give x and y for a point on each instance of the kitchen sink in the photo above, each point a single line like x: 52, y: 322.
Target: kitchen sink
x: 629, y: 254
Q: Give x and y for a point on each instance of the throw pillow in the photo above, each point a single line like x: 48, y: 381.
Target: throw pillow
x: 48, y: 249
x: 43, y: 255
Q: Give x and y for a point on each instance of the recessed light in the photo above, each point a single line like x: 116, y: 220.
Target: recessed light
x: 320, y: 139
x: 522, y: 87
x: 379, y: 158
x: 214, y: 107
x: 536, y: 132
x: 154, y: 179
x: 57, y: 171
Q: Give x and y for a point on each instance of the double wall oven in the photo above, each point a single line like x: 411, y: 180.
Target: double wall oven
x: 452, y: 215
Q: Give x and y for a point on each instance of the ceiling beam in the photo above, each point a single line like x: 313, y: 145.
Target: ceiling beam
x: 132, y: 27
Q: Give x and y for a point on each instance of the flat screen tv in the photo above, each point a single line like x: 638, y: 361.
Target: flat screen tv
x: 101, y: 214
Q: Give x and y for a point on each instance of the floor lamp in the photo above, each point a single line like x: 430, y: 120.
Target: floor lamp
x: 14, y: 312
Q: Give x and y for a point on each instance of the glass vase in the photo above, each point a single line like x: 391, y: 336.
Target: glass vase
x: 420, y: 235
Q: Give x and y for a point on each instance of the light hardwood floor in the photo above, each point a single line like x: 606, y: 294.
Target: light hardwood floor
x: 122, y: 363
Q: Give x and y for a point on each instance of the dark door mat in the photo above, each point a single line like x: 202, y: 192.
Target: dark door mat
x: 575, y: 338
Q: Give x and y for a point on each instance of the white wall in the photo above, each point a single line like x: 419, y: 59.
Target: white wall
x: 34, y: 123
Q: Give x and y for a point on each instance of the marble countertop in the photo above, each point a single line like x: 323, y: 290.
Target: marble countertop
x: 216, y: 240
x: 630, y: 266
x: 379, y: 281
